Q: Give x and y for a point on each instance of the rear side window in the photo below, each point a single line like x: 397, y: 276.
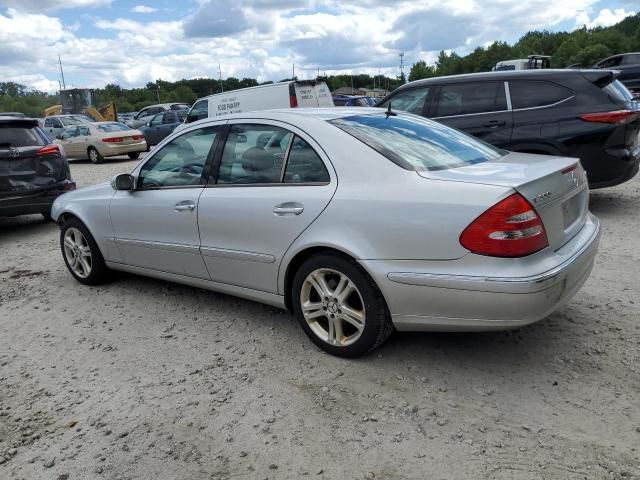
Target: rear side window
x: 618, y: 92
x: 632, y: 59
x: 15, y: 136
x: 304, y: 165
x: 535, y: 93
x: 416, y: 143
x: 411, y: 101
x: 470, y: 98
x: 199, y: 111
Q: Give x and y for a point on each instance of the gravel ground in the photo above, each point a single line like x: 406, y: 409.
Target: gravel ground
x: 143, y: 379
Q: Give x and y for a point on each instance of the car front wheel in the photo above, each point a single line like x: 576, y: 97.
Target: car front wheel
x: 94, y: 155
x: 81, y: 253
x: 339, y: 306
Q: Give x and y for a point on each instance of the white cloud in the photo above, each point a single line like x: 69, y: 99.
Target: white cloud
x: 359, y: 37
x: 38, y: 6
x: 605, y: 18
x: 143, y: 9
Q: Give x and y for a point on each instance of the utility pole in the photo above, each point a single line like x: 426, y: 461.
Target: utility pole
x: 402, y: 65
x: 293, y: 71
x: 64, y: 86
x: 220, y: 73
x: 158, y: 91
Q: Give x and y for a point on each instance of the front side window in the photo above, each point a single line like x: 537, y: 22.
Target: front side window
x: 536, y: 93
x: 56, y: 123
x: 411, y: 101
x: 470, y: 98
x: 48, y: 122
x: 199, y: 111
x: 610, y: 62
x: 157, y: 120
x: 70, y: 133
x: 180, y: 162
x: 84, y: 131
x: 416, y: 143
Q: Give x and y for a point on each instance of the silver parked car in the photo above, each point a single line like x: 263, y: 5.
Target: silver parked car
x: 358, y: 220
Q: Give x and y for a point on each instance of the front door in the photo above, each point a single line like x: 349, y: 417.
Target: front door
x: 156, y: 225
x: 69, y: 142
x: 479, y: 109
x: 273, y: 181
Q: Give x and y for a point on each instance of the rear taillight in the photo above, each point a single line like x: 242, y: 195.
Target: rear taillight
x: 617, y: 117
x: 511, y: 228
x: 293, y: 101
x: 113, y: 139
x: 138, y: 137
x: 49, y: 150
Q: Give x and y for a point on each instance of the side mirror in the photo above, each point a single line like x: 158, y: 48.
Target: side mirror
x: 148, y: 124
x: 124, y: 181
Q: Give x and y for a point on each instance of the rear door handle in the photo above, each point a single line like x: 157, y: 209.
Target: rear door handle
x: 494, y: 124
x: 288, y: 209
x: 185, y: 206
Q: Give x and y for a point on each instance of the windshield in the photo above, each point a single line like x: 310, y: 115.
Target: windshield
x: 112, y: 127
x: 416, y: 143
x: 74, y: 120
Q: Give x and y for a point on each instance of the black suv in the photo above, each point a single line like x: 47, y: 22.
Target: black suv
x: 577, y: 113
x: 33, y: 171
x: 629, y: 66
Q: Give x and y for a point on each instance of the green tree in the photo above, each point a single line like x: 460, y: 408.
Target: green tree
x: 420, y: 70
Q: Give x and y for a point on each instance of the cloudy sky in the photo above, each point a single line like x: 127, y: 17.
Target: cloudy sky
x: 134, y: 42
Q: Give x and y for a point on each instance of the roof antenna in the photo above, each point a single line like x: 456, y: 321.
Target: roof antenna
x: 389, y: 113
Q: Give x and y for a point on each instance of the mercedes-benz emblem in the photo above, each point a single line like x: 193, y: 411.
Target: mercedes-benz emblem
x: 13, y: 152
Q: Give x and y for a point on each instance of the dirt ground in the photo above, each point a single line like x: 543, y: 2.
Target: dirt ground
x: 143, y: 379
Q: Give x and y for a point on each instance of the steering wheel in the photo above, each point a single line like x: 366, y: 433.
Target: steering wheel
x: 191, y: 168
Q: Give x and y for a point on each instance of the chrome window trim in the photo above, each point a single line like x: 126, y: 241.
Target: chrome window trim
x: 299, y: 184
x: 512, y: 110
x: 507, y: 94
x: 545, y: 106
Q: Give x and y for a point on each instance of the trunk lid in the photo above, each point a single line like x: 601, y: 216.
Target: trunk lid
x: 555, y: 186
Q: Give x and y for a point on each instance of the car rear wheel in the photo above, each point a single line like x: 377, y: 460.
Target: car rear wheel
x: 81, y: 253
x: 134, y: 155
x: 339, y: 306
x: 94, y: 155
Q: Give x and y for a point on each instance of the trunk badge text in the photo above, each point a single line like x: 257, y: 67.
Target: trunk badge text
x: 541, y: 197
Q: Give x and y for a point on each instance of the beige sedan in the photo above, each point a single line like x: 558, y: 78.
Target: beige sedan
x: 98, y: 140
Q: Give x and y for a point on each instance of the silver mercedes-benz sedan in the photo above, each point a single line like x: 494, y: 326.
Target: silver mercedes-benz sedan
x: 357, y: 220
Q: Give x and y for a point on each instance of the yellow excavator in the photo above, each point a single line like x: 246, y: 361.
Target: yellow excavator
x: 82, y: 101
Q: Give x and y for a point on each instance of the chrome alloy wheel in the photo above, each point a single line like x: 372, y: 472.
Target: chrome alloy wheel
x: 332, y: 307
x: 77, y: 252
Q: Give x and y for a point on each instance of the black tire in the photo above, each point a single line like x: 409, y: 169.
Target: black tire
x: 377, y: 321
x: 99, y: 273
x: 133, y: 155
x: 94, y: 155
x: 46, y: 216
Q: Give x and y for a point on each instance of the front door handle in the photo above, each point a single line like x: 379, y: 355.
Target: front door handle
x: 494, y: 124
x: 288, y: 209
x: 185, y: 206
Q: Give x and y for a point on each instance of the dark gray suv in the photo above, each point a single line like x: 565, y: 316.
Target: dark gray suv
x: 33, y: 171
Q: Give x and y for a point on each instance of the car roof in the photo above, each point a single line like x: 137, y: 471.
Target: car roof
x: 25, y: 122
x: 499, y: 75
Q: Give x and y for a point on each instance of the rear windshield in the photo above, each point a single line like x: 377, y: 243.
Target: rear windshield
x: 112, y: 127
x: 11, y: 136
x: 618, y: 92
x: 416, y: 143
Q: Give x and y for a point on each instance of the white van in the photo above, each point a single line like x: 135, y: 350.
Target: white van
x: 302, y: 93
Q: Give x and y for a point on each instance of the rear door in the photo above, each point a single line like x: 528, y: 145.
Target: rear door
x: 273, y: 181
x: 477, y: 108
x: 311, y: 94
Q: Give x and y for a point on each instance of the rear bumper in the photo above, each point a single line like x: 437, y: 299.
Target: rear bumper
x: 34, y: 203
x: 111, y: 150
x: 621, y: 165
x: 439, y: 301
